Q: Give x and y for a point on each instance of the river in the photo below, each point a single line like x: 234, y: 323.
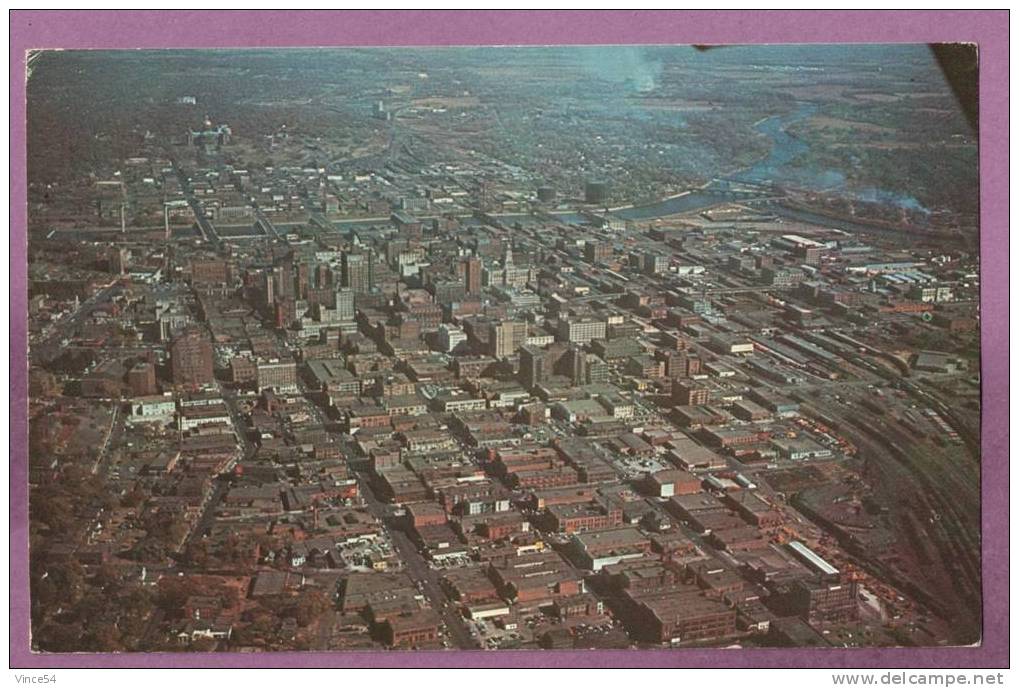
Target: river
x: 785, y: 148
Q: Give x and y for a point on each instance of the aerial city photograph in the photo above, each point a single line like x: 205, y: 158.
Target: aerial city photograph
x: 503, y: 348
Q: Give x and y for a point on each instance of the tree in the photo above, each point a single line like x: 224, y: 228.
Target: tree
x: 138, y: 603
x: 132, y: 628
x: 134, y: 498
x: 256, y: 632
x: 44, y: 592
x: 311, y: 605
x: 174, y: 592
x: 91, y: 606
x: 52, y: 508
x: 57, y: 637
x: 105, y: 638
x: 42, y: 384
x: 69, y: 581
x: 148, y: 549
x: 204, y: 645
x: 107, y: 578
x: 197, y: 554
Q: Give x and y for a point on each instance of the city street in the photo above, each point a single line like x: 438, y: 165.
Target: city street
x: 417, y: 567
x: 53, y: 346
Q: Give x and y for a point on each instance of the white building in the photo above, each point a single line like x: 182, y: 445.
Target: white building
x: 153, y: 409
x: 450, y: 336
x: 580, y: 331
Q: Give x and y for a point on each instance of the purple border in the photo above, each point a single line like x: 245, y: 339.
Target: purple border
x: 185, y: 29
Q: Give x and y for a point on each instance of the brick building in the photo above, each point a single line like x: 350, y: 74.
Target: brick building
x: 191, y: 358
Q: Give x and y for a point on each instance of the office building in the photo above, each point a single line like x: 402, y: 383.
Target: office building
x: 450, y: 337
x: 595, y: 251
x: 821, y: 602
x: 343, y: 304
x: 356, y: 271
x: 576, y: 360
x: 141, y: 379
x: 532, y: 366
x: 191, y: 358
x: 472, y: 274
x: 506, y: 337
x: 596, y: 370
x: 689, y: 394
x: 580, y: 331
x: 280, y: 376
x: 655, y: 263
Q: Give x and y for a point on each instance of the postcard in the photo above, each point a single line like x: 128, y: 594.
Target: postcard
x: 482, y: 351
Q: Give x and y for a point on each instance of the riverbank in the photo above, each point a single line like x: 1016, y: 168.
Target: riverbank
x: 826, y: 218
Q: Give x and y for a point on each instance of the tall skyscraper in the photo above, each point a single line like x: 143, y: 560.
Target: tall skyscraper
x: 285, y: 277
x: 323, y: 276
x: 506, y: 337
x: 303, y: 280
x: 344, y: 304
x: 532, y: 366
x: 472, y: 274
x: 141, y: 379
x: 285, y: 313
x: 269, y: 287
x: 191, y: 358
x: 118, y: 258
x: 577, y: 359
x: 356, y: 271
